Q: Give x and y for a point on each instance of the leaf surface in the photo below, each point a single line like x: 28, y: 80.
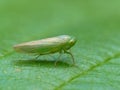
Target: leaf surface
x: 97, y: 52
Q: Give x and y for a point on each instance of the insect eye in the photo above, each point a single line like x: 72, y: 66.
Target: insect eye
x: 71, y: 41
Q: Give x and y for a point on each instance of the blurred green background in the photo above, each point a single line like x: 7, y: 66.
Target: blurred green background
x: 96, y: 25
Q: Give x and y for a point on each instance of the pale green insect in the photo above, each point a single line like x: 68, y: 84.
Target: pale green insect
x: 60, y: 44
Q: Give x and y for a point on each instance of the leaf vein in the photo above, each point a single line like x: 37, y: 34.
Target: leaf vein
x: 86, y: 71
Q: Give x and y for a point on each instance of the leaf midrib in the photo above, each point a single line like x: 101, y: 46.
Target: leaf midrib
x: 87, y: 71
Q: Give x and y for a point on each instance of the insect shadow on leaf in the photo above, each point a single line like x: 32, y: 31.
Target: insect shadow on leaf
x: 39, y: 63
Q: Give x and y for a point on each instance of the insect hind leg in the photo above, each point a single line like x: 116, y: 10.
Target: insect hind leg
x: 37, y: 56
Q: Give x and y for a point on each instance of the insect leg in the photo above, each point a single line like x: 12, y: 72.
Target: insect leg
x: 58, y: 58
x: 37, y: 57
x: 51, y: 56
x: 68, y: 52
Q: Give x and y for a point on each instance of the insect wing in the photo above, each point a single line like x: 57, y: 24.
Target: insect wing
x: 44, y: 46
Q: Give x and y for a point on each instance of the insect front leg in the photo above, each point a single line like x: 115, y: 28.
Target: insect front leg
x: 68, y: 52
x: 58, y: 57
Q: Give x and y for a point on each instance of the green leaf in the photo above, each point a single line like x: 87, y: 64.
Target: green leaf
x: 97, y: 52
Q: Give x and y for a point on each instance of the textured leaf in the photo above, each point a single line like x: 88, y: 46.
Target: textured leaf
x: 97, y: 51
